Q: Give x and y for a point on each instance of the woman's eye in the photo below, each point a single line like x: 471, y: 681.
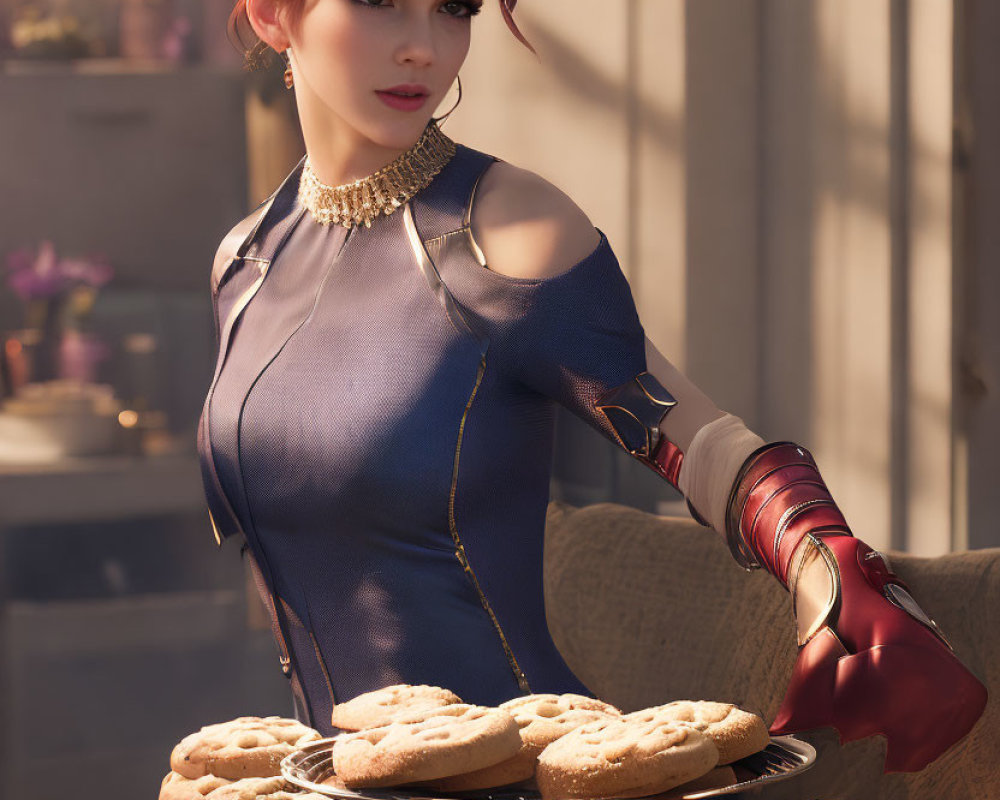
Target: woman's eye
x: 454, y: 8
x: 462, y: 8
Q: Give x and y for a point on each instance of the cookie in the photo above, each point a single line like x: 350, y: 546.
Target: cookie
x: 283, y: 795
x: 515, y: 769
x: 262, y: 789
x: 715, y: 778
x: 456, y: 738
x: 563, y: 701
x: 736, y: 733
x: 379, y: 707
x: 212, y: 787
x: 616, y: 757
x: 251, y: 789
x: 541, y: 719
x: 175, y: 786
x: 246, y: 747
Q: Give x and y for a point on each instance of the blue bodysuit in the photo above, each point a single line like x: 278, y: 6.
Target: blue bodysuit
x: 380, y: 430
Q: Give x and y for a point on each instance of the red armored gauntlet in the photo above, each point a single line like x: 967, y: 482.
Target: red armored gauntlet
x: 870, y: 660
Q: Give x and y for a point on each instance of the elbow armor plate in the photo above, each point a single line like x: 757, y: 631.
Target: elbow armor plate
x: 635, y: 411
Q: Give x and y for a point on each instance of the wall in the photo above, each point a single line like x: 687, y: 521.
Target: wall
x: 776, y: 178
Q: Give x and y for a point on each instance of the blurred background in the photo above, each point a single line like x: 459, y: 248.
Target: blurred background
x: 803, y: 195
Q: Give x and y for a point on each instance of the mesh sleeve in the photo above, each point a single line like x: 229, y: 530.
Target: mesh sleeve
x: 582, y: 336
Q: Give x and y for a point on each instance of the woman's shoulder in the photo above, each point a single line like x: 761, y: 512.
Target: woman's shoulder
x: 526, y: 226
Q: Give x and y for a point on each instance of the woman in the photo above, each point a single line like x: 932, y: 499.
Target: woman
x: 396, y: 323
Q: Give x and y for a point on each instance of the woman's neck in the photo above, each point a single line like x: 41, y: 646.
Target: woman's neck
x: 339, y: 153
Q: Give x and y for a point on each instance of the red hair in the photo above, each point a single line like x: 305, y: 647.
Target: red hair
x: 254, y: 53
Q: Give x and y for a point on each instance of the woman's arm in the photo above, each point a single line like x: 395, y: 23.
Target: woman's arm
x: 529, y: 228
x: 867, y: 650
x: 694, y: 408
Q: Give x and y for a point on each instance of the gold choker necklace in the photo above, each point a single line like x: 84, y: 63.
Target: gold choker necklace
x: 381, y: 192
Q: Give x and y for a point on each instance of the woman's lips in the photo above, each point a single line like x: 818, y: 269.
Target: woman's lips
x: 402, y: 102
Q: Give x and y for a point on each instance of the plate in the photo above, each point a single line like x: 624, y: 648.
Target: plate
x: 783, y: 758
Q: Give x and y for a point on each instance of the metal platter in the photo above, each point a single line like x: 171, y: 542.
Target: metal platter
x: 311, y: 767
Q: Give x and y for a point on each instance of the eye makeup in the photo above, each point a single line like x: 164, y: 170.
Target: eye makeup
x: 471, y: 7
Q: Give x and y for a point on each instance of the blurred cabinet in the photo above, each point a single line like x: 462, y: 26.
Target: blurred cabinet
x: 119, y: 637
x: 146, y: 167
x: 96, y: 489
x: 122, y: 626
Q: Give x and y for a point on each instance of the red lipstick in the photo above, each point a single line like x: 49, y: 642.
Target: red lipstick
x: 405, y: 96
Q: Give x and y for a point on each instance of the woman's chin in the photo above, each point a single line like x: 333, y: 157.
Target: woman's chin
x: 398, y: 134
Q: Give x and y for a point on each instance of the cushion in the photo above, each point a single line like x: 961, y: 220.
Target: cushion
x: 647, y: 609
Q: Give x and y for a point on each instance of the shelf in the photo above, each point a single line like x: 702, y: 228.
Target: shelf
x: 108, y: 66
x: 164, y: 621
x: 105, y: 488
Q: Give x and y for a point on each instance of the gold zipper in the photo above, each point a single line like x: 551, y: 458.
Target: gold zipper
x: 457, y: 318
x: 522, y: 681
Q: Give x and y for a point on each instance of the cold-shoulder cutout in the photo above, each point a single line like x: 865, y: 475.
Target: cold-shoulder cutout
x: 602, y: 253
x: 581, y: 335
x: 526, y: 228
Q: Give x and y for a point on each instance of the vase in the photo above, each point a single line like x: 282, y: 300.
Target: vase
x: 79, y: 356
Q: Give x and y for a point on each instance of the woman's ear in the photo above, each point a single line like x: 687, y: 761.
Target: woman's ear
x: 264, y: 19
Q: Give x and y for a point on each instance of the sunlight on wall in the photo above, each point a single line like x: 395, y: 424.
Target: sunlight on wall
x: 936, y: 500
x: 775, y: 180
x: 563, y: 118
x: 852, y: 261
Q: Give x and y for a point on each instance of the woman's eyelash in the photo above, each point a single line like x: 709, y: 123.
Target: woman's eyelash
x: 472, y: 8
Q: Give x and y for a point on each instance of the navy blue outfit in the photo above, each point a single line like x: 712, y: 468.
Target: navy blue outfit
x: 380, y: 430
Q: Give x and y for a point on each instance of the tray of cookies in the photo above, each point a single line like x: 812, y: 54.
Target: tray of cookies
x: 237, y: 760
x: 413, y: 742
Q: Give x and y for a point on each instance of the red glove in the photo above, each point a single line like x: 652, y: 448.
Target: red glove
x: 870, y: 660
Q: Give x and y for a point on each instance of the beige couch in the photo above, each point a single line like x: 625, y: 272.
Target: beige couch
x: 648, y: 609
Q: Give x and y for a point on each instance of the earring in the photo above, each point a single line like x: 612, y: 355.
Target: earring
x: 289, y: 80
x: 440, y: 119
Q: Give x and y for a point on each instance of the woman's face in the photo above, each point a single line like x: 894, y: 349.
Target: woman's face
x: 344, y: 52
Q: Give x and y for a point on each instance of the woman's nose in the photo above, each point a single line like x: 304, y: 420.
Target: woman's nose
x: 417, y: 44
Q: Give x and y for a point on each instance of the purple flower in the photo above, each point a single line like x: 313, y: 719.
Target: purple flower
x: 35, y: 276
x: 96, y: 272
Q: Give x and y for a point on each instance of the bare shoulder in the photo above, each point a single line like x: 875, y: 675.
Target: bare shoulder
x: 526, y: 226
